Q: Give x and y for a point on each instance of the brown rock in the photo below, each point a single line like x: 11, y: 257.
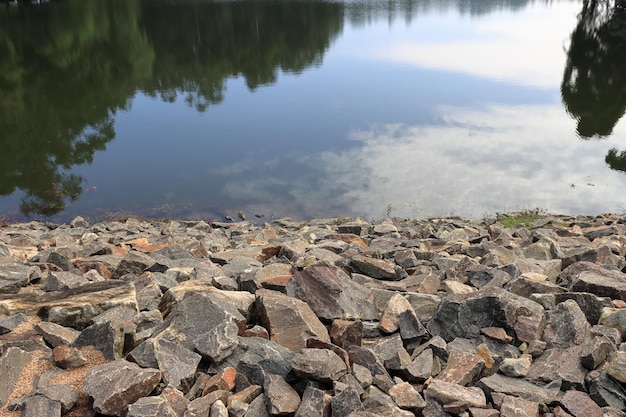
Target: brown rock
x: 67, y: 357
x: 515, y: 406
x: 290, y: 321
x: 579, y: 404
x: 223, y: 380
x: 345, y: 333
x: 463, y: 368
x: 447, y: 392
x: 280, y: 398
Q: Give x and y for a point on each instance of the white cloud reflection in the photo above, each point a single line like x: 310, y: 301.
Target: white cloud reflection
x: 525, y: 47
x: 476, y: 162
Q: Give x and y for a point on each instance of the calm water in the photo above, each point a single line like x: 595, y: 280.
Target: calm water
x: 310, y: 108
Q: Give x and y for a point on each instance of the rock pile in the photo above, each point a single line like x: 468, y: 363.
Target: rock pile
x: 333, y: 318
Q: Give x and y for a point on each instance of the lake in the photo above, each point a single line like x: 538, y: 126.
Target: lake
x: 202, y: 109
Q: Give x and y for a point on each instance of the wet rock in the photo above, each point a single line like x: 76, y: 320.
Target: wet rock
x: 117, y: 384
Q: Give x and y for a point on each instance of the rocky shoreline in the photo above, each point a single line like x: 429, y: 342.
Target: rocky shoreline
x: 333, y: 318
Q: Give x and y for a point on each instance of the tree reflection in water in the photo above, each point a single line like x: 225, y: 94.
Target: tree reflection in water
x: 594, y: 81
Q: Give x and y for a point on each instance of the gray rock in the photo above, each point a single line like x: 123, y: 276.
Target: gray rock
x: 605, y: 391
x: 345, y: 403
x: 516, y: 367
x: 595, y: 352
x: 150, y: 407
x: 133, y: 263
x: 375, y: 268
x: 39, y: 405
x: 315, y: 403
x: 12, y: 363
x: 591, y: 305
x: 8, y: 324
x: 60, y: 393
x: 346, y: 333
x: 331, y: 293
x: 519, y: 388
x: 14, y: 276
x: 421, y: 368
x: 319, y: 364
x: 201, y: 407
x: 367, y: 358
x: 447, y: 392
x: 218, y: 409
x: 462, y: 315
x: 399, y: 314
x: 182, y: 324
x: 567, y: 326
x: 117, y: 384
x: 377, y: 402
x: 604, y: 284
x: 62, y: 280
x: 280, y: 398
x: 55, y: 334
x: 177, y: 363
x: 257, y: 407
x: 107, y: 337
x: 254, y: 358
x: 219, y: 342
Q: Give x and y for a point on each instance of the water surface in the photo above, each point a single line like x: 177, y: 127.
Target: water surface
x: 200, y: 109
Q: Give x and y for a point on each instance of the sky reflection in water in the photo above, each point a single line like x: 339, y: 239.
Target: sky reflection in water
x: 439, y: 112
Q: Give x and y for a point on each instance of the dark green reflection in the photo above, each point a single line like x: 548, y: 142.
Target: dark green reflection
x: 67, y: 67
x: 594, y: 80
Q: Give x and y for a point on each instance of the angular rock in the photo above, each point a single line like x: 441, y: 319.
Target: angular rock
x: 595, y: 352
x: 56, y: 335
x: 407, y: 397
x: 346, y: 333
x: 315, y: 403
x: 516, y: 367
x: 198, y: 320
x: 67, y: 357
x: 399, y: 314
x: 367, y: 358
x: 280, y: 398
x: 604, y: 284
x: 319, y: 364
x: 106, y: 337
x: 375, y: 268
x: 518, y: 388
x: 579, y: 404
x: 39, y: 405
x: 223, y: 380
x: 150, y: 407
x: 117, y: 384
x: 79, y: 305
x: 8, y: 324
x: 12, y: 363
x: 567, y: 325
x: 14, y: 276
x: 381, y: 404
x: 559, y: 364
x: 345, y: 403
x: 331, y: 293
x: 462, y: 315
x: 463, y: 368
x: 447, y: 392
x: 515, y: 406
x: 290, y: 322
x: 177, y: 363
x: 617, y: 366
